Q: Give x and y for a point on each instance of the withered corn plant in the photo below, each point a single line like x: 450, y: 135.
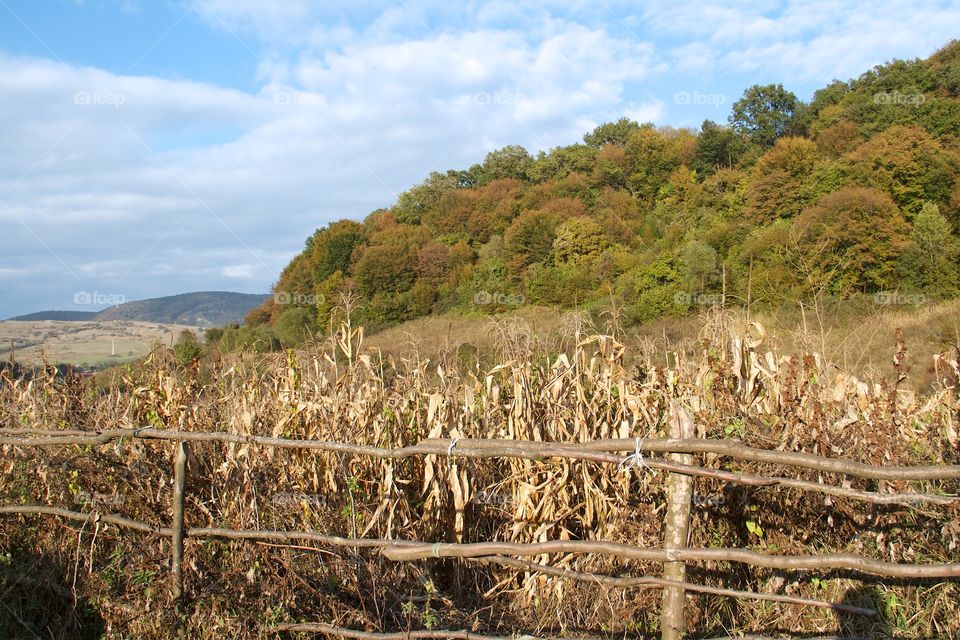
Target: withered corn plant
x: 64, y: 580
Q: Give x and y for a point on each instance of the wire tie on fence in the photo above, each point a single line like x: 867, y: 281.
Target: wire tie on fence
x: 452, y: 445
x: 436, y: 549
x: 635, y: 459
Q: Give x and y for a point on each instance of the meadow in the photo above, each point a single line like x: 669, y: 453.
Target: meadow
x: 83, y: 343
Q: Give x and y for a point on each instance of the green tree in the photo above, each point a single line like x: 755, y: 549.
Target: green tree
x: 654, y: 290
x: 577, y: 240
x: 717, y: 147
x: 412, y: 203
x: 294, y: 326
x: 764, y: 113
x: 652, y: 156
x: 701, y: 264
x: 615, y: 133
x: 258, y: 339
x: 187, y: 347
x: 423, y: 295
x: 488, y: 277
x: 383, y: 309
x: 610, y: 167
x: 908, y: 163
x: 332, y: 248
x: 929, y: 265
x: 328, y: 297
x: 563, y: 161
x: 512, y: 161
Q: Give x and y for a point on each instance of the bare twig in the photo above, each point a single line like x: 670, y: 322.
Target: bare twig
x: 407, y: 550
x: 823, y: 562
x: 340, y: 632
x: 653, y: 582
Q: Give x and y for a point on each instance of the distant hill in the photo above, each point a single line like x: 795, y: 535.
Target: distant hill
x: 57, y: 315
x: 203, y: 308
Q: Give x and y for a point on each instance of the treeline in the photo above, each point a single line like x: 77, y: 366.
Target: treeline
x: 856, y: 192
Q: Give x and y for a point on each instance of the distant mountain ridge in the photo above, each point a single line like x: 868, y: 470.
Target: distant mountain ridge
x: 57, y: 315
x: 202, y: 308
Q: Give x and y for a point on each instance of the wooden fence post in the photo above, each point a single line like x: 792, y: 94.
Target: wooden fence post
x: 676, y: 528
x: 179, y: 487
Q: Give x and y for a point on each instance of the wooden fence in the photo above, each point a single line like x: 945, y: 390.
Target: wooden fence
x: 673, y: 555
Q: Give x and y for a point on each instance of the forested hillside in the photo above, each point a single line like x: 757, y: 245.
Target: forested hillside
x: 202, y: 308
x: 855, y: 193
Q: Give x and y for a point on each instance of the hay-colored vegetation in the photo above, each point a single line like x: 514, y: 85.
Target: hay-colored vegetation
x: 67, y: 581
x: 95, y: 343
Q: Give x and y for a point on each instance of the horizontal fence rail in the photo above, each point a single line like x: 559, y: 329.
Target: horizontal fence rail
x: 383, y: 543
x: 506, y: 554
x: 342, y: 632
x: 468, y: 447
x: 599, y: 451
x: 407, y: 550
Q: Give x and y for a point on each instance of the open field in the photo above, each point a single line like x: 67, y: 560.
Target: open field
x: 83, y: 343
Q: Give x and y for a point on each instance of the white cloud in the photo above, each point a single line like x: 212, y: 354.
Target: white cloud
x: 648, y: 112
x: 95, y: 181
x: 148, y: 185
x: 800, y: 41
x: 239, y: 271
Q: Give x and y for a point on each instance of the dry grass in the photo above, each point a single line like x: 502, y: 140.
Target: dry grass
x: 574, y: 385
x: 853, y: 337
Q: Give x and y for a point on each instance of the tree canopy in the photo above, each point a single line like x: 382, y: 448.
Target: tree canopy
x: 857, y: 192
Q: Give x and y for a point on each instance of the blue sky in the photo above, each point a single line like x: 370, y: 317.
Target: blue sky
x: 156, y: 147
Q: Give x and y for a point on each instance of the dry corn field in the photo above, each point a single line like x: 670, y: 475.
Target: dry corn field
x: 91, y: 578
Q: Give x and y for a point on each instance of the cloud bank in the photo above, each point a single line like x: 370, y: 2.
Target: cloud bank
x: 145, y: 185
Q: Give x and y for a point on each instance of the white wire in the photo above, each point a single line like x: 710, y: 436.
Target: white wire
x: 635, y: 459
